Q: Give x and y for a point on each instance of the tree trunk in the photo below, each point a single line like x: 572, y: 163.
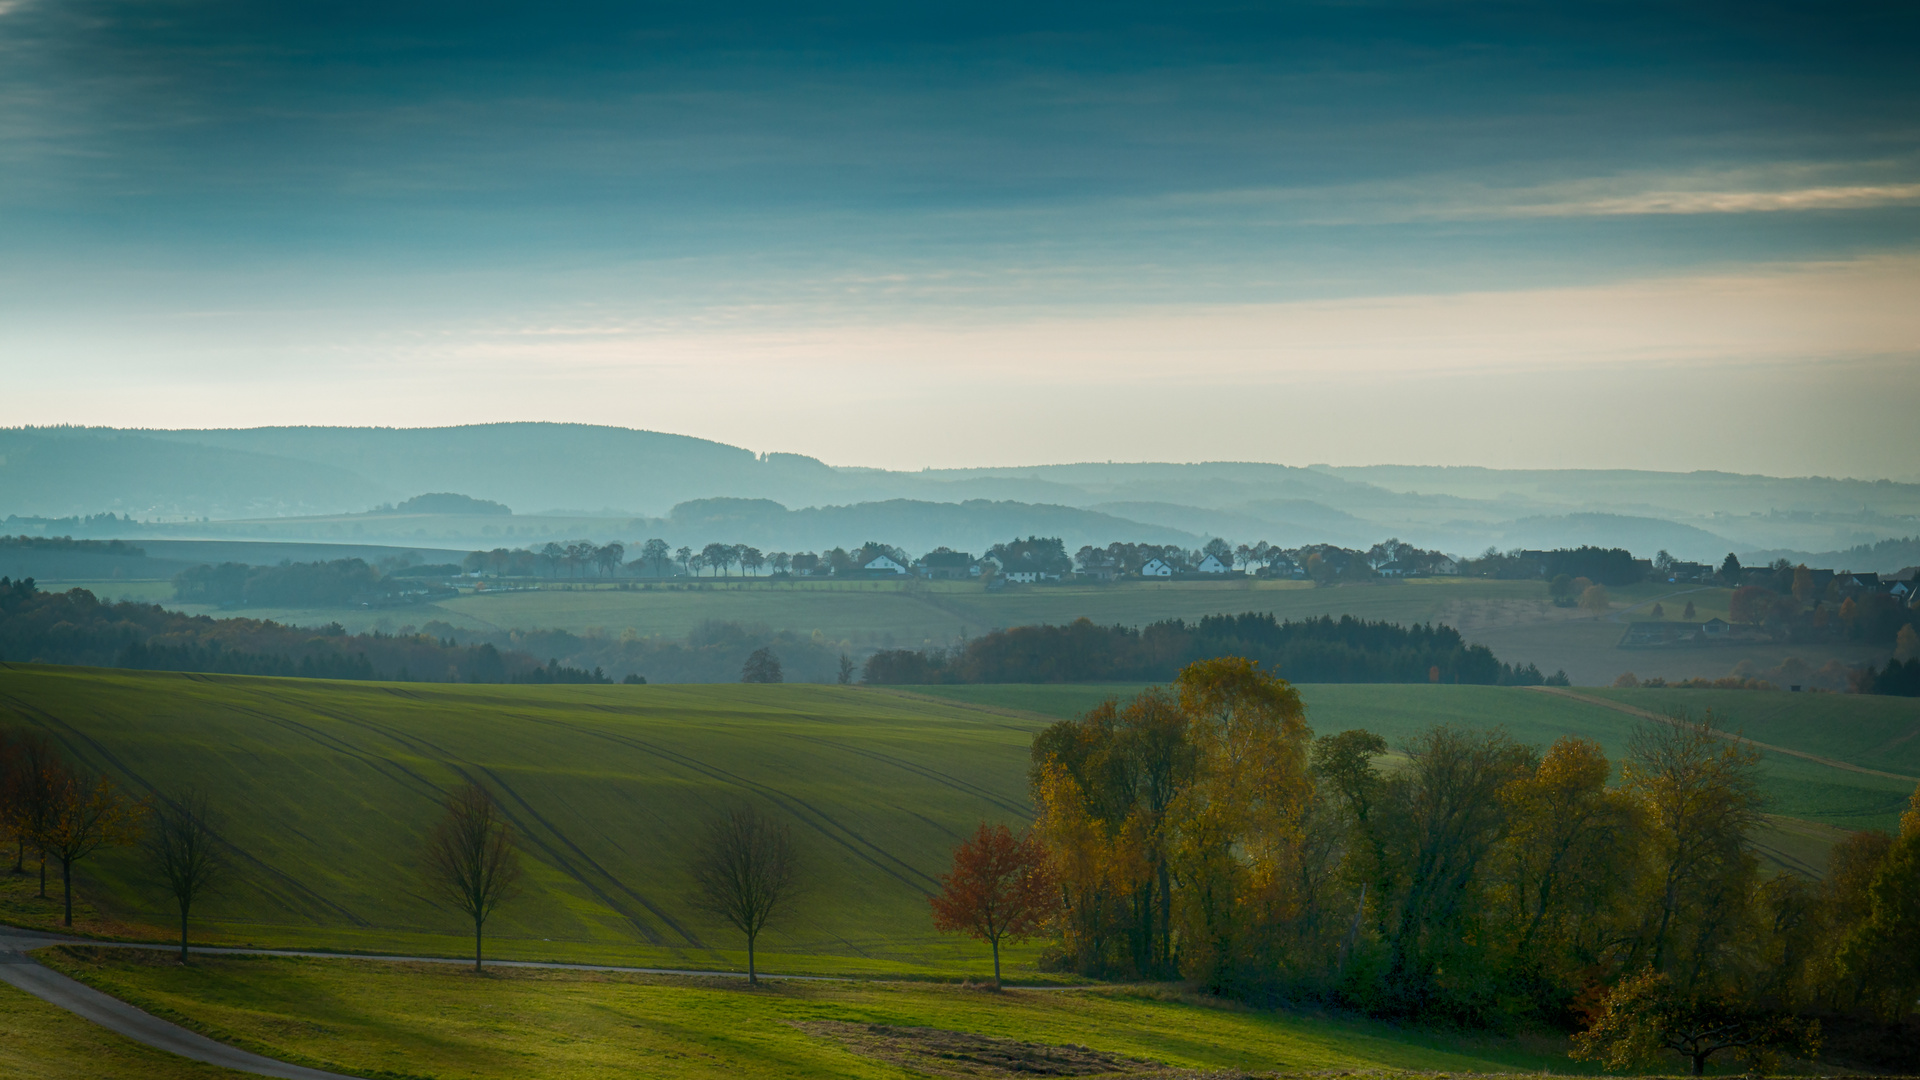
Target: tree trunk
x: 43, y: 875
x: 476, y: 944
x: 183, y: 933
x: 996, y: 963
x: 753, y: 978
x: 1699, y: 1064
x: 66, y: 889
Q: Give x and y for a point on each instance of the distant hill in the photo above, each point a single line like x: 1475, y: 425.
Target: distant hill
x: 615, y: 479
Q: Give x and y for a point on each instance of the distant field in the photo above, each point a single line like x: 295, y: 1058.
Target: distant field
x: 340, y: 780
x: 411, y: 1020
x: 1512, y: 617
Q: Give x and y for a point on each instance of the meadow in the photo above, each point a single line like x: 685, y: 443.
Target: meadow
x: 420, y: 1020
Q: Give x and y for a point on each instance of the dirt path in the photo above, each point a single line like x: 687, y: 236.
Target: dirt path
x: 1657, y: 718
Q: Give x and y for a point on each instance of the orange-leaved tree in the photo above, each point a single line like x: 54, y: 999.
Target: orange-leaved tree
x: 1001, y: 888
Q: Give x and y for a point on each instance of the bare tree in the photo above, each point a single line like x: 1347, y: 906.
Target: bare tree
x: 35, y: 777
x: 747, y: 871
x: 184, y: 852
x: 472, y: 860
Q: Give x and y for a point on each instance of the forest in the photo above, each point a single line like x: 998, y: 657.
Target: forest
x: 1312, y: 650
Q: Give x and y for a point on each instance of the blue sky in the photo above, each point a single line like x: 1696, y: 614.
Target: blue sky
x: 1667, y: 236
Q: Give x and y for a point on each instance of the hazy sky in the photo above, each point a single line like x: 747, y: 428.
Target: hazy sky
x: 1668, y: 236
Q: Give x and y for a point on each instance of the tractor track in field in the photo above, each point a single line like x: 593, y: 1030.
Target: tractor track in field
x: 1646, y: 714
x: 298, y: 887
x: 935, y: 775
x: 559, y: 859
x: 865, y: 850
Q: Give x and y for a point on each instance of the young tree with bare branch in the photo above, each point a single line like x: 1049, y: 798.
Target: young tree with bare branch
x: 471, y: 858
x: 747, y: 871
x: 88, y: 813
x: 184, y: 852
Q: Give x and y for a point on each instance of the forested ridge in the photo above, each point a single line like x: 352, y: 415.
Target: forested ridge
x: 1322, y: 649
x: 76, y: 627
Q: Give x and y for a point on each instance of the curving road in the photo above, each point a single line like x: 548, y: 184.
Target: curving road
x: 23, y: 971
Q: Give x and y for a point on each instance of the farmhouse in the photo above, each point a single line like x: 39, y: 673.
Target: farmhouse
x: 1212, y: 565
x: 884, y: 565
x: 1157, y: 568
x: 944, y: 565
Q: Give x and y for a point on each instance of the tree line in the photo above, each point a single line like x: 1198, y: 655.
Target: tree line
x: 337, y: 583
x: 1201, y: 831
x: 76, y: 627
x: 68, y: 543
x: 1320, y: 649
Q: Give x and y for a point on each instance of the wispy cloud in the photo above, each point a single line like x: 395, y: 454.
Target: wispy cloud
x: 1852, y: 197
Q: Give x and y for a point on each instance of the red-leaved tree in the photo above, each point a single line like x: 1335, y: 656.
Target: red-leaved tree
x: 1001, y: 888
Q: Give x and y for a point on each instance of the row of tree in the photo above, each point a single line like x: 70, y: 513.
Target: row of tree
x: 1312, y: 650
x: 657, y: 558
x: 62, y: 812
x: 1202, y: 832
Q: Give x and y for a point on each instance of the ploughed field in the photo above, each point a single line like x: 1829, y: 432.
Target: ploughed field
x: 329, y: 787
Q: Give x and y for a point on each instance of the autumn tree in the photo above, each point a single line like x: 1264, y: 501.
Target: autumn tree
x: 1242, y: 830
x: 1001, y: 888
x: 1700, y: 795
x: 1644, y: 1016
x: 1882, y: 952
x: 1438, y: 822
x: 471, y: 860
x: 746, y: 870
x: 1563, y: 876
x: 37, y: 776
x: 1594, y: 599
x: 87, y: 814
x: 1106, y: 786
x: 184, y: 852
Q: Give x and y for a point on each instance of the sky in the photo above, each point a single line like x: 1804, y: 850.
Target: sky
x: 1668, y: 236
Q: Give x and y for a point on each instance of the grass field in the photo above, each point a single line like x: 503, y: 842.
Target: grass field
x: 42, y: 1040
x: 418, y: 1020
x: 340, y: 780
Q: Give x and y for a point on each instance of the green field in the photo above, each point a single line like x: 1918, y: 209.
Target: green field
x: 418, y: 1020
x: 604, y: 783
x: 1511, y: 617
x: 42, y: 1040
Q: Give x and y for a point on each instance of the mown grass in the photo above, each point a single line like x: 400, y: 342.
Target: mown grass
x: 420, y: 1020
x: 42, y: 1040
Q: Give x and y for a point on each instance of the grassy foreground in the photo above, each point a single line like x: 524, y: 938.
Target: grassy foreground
x: 422, y: 1020
x: 42, y: 1040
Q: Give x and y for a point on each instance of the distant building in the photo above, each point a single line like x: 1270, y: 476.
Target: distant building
x: 884, y: 565
x: 1159, y: 568
x: 1022, y: 577
x: 1715, y: 627
x: 948, y: 566
x: 1212, y: 565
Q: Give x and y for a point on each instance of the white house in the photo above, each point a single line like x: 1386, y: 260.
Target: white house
x: 1156, y: 568
x: 884, y: 565
x: 1212, y: 565
x: 1023, y: 577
